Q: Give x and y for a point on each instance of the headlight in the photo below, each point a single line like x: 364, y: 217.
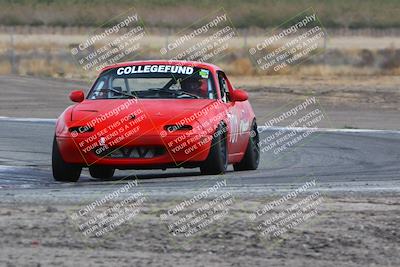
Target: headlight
x: 81, y: 129
x: 173, y: 128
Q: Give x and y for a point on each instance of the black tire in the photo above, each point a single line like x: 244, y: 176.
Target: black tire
x: 63, y: 171
x: 217, y: 160
x: 251, y: 158
x: 101, y: 172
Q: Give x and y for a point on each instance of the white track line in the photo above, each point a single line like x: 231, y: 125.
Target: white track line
x: 26, y: 119
x: 260, y: 128
x: 302, y: 129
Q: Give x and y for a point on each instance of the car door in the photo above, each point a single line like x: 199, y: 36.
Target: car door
x: 234, y: 115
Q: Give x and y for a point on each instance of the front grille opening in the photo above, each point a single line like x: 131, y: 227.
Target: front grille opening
x: 136, y: 152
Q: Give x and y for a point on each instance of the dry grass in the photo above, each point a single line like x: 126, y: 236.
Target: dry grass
x: 5, y: 67
x: 52, y: 68
x: 325, y: 70
x: 49, y: 55
x: 174, y: 13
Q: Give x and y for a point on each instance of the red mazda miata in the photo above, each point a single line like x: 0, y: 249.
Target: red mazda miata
x: 156, y: 115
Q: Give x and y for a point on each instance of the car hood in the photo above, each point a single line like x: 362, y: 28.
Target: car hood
x: 159, y: 110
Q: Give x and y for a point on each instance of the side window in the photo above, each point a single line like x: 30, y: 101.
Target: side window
x: 223, y: 85
x: 212, y: 92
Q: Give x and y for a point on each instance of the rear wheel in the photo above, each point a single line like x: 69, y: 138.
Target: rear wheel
x: 63, y: 171
x: 251, y: 158
x: 101, y: 172
x: 217, y: 160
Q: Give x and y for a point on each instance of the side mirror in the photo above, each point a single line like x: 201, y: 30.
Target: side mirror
x: 239, y: 95
x: 77, y: 96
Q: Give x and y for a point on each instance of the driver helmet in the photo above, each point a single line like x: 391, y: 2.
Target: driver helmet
x: 195, y: 86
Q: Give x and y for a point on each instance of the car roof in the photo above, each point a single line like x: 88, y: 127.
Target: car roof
x: 164, y: 62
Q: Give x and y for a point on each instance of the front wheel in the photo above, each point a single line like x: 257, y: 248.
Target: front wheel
x: 63, y: 171
x: 101, y: 172
x: 217, y: 160
x: 251, y: 157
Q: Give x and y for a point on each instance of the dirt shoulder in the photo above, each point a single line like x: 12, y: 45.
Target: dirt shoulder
x: 353, y: 102
x: 355, y: 230
x: 371, y: 102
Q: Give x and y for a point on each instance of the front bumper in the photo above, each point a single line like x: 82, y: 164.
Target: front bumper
x: 176, y: 153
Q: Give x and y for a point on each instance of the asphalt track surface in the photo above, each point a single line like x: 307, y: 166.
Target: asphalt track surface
x: 340, y: 161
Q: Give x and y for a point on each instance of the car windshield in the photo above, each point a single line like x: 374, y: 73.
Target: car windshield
x: 154, y: 81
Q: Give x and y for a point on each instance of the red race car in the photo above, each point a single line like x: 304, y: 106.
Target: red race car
x: 156, y: 115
